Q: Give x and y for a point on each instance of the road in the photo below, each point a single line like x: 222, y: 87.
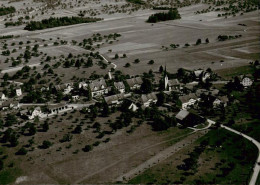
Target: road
x: 257, y: 164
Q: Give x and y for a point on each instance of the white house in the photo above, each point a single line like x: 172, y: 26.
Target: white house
x: 120, y: 86
x: 222, y: 100
x: 18, y: 92
x: 3, y: 97
x: 188, y: 100
x: 36, y: 112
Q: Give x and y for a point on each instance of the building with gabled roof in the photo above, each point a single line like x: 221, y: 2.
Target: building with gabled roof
x: 120, y: 86
x: 148, y: 99
x: 98, y: 87
x: 134, y: 83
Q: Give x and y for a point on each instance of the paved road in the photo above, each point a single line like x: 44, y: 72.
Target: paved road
x: 257, y: 164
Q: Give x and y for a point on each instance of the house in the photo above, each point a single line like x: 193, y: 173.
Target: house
x: 114, y: 100
x: 66, y: 88
x: 18, y: 92
x: 188, y: 100
x: 36, y: 112
x: 187, y: 119
x: 83, y: 85
x: 171, y: 85
x: 98, y: 87
x: 245, y: 81
x: 134, y: 83
x: 120, y: 86
x: 148, y: 99
x: 222, y: 100
x: 2, y: 97
x: 9, y: 104
x: 133, y: 107
x: 75, y: 97
x: 201, y: 75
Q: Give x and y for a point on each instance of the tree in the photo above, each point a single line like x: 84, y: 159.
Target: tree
x: 106, y: 110
x: 87, y: 148
x: 46, y: 144
x: 116, y: 56
x: 161, y: 98
x: 136, y: 61
x: 151, y: 62
x: 207, y: 40
x: 127, y: 65
x: 146, y: 86
x: 161, y: 69
x: 77, y: 129
x: 21, y: 151
x: 14, y: 140
x: 198, y: 42
x: 32, y: 130
x: 45, y: 126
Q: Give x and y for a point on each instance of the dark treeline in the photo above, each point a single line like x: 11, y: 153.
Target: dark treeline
x: 56, y: 22
x: 171, y: 15
x: 6, y: 37
x: 161, y: 8
x: 136, y: 1
x: 6, y: 10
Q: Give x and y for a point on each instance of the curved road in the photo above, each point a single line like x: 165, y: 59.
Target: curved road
x: 257, y: 164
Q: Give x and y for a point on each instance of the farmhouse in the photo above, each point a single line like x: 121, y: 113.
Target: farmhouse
x: 98, y: 87
x: 188, y: 119
x: 188, y: 100
x: 222, y: 100
x: 120, y: 86
x: 65, y: 88
x: 134, y: 83
x: 148, y: 99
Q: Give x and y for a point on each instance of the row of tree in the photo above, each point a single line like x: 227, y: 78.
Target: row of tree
x: 56, y: 22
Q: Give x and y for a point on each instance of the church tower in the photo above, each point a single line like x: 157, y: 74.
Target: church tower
x: 166, y: 80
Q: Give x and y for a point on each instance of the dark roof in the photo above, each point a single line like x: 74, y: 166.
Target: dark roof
x: 186, y: 98
x: 173, y: 82
x: 182, y: 114
x: 98, y: 84
x: 119, y: 85
x: 147, y: 97
x: 133, y: 81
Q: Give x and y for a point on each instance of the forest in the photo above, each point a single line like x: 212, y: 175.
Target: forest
x: 170, y: 15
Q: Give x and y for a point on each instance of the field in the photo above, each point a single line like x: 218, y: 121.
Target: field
x: 121, y: 156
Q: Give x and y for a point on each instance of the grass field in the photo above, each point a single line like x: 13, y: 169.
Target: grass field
x: 221, y: 153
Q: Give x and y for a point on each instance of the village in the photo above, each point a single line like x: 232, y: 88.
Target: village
x: 135, y: 93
